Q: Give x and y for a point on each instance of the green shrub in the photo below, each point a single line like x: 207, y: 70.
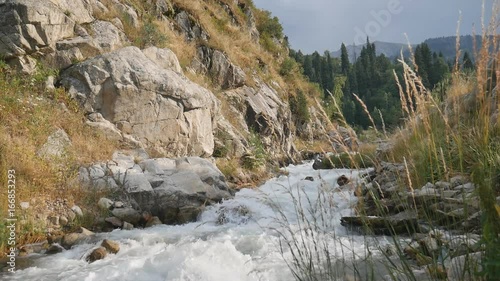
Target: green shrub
x: 299, y: 108
x: 266, y: 24
x: 287, y: 66
x: 150, y: 35
x: 257, y: 157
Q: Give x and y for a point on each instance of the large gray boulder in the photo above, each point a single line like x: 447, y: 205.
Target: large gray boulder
x: 174, y: 190
x: 184, y: 191
x: 159, y: 107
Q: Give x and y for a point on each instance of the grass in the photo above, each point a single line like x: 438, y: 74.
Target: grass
x: 444, y: 135
x: 28, y: 115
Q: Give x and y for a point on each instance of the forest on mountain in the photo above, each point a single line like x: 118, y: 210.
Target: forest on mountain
x: 370, y: 80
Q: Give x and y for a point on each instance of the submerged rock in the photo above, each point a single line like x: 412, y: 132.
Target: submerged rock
x: 97, y: 254
x: 71, y: 239
x: 111, y: 246
x: 153, y: 221
x: 237, y: 215
x: 343, y: 180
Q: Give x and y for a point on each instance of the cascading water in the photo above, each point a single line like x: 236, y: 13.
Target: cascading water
x: 238, y: 239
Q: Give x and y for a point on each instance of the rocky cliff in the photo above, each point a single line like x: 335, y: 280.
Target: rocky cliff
x: 178, y: 78
x: 178, y: 81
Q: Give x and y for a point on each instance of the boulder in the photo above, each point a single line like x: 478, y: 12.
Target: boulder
x: 110, y: 246
x: 343, y: 180
x: 97, y: 254
x: 127, y: 226
x: 228, y: 141
x: 106, y: 37
x: 114, y: 221
x: 165, y: 111
x: 71, y: 239
x: 217, y: 65
x: 261, y: 110
x: 128, y: 11
x: 164, y: 58
x: 105, y: 203
x: 233, y: 214
x: 251, y: 22
x: 78, y: 10
x: 77, y: 211
x: 192, y: 184
x: 63, y: 220
x: 23, y: 64
x: 153, y: 221
x: 118, y: 204
x: 458, y: 180
x: 54, y: 249
x: 464, y: 267
x: 56, y: 145
x: 443, y: 185
x: 127, y: 214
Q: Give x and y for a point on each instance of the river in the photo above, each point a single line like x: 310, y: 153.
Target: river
x: 243, y: 244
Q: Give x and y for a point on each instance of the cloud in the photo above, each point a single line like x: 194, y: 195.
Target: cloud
x: 325, y: 24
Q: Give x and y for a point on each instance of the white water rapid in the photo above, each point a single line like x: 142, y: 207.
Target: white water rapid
x: 243, y: 248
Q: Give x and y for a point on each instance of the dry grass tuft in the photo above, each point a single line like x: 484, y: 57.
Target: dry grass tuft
x: 28, y: 115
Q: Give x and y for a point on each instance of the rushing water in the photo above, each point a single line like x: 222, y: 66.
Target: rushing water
x: 245, y: 247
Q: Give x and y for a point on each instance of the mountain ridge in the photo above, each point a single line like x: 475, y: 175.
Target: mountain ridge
x: 446, y: 45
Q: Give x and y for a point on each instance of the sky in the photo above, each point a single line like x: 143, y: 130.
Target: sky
x: 319, y: 25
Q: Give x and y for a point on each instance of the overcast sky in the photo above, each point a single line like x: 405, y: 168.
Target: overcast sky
x: 324, y: 24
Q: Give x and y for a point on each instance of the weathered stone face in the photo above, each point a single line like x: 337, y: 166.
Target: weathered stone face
x: 174, y: 190
x: 160, y: 107
x: 29, y: 26
x: 217, y: 65
x: 263, y: 112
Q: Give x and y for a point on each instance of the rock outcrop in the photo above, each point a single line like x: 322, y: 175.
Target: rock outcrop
x: 30, y: 27
x: 174, y: 190
x: 263, y: 112
x: 452, y: 204
x: 217, y: 65
x: 159, y: 107
x: 190, y: 27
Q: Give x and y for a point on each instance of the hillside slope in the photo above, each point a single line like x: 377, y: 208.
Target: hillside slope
x: 163, y: 78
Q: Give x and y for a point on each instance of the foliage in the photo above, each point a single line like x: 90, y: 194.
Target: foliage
x: 150, y: 35
x: 371, y: 78
x: 28, y: 115
x: 270, y: 29
x: 257, y: 157
x: 299, y: 108
x: 287, y: 66
x: 268, y: 25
